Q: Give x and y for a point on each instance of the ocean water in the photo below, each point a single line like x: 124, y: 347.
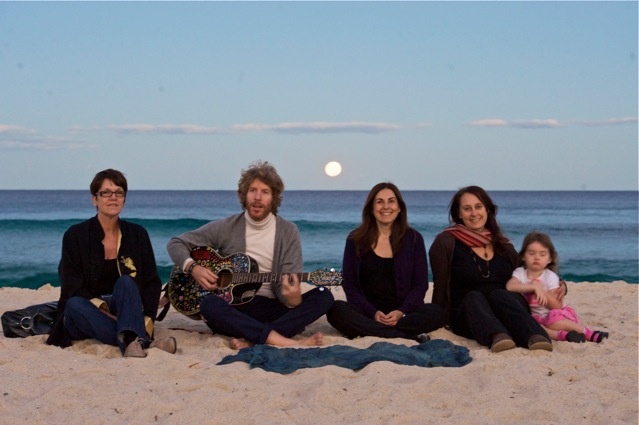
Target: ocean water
x: 595, y: 233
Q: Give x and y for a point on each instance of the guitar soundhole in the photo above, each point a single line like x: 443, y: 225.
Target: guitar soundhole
x: 225, y: 278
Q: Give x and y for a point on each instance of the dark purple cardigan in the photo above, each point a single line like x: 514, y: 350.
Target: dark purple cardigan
x: 411, y: 274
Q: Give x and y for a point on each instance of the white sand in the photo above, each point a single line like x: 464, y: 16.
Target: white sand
x: 91, y: 383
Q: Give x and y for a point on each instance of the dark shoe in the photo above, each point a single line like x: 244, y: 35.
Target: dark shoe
x: 502, y: 342
x: 598, y: 336
x: 135, y: 349
x: 574, y: 336
x: 422, y: 338
x: 538, y: 342
x: 165, y: 344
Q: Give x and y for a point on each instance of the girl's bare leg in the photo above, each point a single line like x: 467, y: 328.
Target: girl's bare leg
x: 566, y: 325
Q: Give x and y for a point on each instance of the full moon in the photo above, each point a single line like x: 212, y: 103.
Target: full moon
x: 333, y: 169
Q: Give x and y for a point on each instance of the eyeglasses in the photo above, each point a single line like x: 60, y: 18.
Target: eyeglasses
x: 109, y: 193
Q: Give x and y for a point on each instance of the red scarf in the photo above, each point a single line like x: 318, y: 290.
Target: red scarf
x: 470, y: 237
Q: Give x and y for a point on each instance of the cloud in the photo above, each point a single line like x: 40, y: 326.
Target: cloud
x: 319, y: 127
x: 287, y: 127
x: 165, y: 129
x: 498, y: 122
x: 536, y: 124
x: 548, y: 123
x: 610, y: 121
x: 489, y: 122
x: 37, y: 144
x: 323, y: 127
x: 80, y: 129
x: 16, y: 138
x: 14, y: 129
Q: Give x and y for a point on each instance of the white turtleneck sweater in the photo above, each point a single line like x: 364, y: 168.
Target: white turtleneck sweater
x: 260, y: 242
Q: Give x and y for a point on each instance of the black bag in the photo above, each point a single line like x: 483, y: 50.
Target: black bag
x: 33, y: 320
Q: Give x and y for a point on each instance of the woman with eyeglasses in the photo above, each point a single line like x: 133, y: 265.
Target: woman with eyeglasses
x: 110, y: 287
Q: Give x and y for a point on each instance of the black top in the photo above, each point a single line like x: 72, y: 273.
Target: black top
x: 109, y: 275
x: 377, y: 275
x: 473, y: 273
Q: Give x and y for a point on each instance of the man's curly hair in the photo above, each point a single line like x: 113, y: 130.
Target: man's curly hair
x: 266, y: 173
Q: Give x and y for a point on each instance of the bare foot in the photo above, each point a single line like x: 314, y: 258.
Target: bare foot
x: 279, y: 340
x: 314, y: 340
x: 238, y: 344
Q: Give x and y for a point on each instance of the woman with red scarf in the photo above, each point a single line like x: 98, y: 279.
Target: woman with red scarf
x: 471, y: 262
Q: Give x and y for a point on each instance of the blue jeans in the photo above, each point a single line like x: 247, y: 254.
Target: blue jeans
x: 84, y: 320
x: 255, y: 320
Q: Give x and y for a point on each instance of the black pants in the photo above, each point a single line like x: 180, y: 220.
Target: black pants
x: 479, y: 316
x: 351, y: 321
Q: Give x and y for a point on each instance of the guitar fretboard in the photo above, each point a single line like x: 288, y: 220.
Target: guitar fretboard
x: 264, y: 277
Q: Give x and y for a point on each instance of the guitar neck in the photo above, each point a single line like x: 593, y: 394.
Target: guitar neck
x: 264, y: 277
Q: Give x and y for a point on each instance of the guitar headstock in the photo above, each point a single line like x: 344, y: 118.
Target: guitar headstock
x: 325, y: 277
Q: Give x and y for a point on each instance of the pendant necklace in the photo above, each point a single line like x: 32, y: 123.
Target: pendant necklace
x: 485, y: 275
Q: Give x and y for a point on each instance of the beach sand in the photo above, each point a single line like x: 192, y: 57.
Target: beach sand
x: 92, y: 383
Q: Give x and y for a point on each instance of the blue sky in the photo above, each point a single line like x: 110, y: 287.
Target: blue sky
x: 428, y: 95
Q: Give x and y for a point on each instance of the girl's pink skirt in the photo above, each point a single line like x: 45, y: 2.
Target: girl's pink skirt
x: 564, y: 313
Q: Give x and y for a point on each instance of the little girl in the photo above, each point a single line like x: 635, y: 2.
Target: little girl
x: 538, y: 281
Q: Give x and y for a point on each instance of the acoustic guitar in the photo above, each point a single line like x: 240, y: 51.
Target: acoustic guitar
x: 239, y: 280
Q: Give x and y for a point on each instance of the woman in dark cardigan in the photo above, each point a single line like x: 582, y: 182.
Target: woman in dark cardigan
x: 109, y: 280
x: 471, y: 262
x: 385, y: 274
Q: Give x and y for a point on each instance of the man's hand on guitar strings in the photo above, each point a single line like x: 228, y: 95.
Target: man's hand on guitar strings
x: 291, y: 289
x: 286, y: 279
x: 205, y: 278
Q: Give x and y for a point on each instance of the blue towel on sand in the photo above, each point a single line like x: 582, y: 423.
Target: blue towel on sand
x: 437, y: 352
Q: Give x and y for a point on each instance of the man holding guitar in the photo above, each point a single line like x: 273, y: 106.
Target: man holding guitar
x: 279, y: 310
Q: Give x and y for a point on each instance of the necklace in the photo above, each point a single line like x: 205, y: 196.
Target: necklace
x: 485, y: 275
